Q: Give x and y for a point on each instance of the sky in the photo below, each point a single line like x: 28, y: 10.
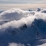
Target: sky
x: 23, y: 4
x: 22, y: 1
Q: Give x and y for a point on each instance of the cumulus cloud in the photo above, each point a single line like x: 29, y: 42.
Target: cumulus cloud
x: 42, y: 44
x: 13, y: 20
x: 19, y: 23
x: 17, y: 17
x: 16, y: 44
x: 13, y: 14
x: 16, y: 20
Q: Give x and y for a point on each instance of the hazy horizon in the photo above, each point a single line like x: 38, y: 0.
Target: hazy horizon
x: 22, y: 6
x: 22, y: 1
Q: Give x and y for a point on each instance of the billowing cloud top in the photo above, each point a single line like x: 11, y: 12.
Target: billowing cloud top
x: 17, y: 25
x: 16, y: 17
x: 14, y: 14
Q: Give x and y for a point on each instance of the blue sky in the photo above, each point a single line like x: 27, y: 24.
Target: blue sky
x: 22, y: 1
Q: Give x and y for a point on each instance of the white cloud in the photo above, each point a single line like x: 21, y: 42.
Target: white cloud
x: 16, y: 44
x: 26, y: 17
x: 18, y: 17
x: 14, y: 14
x: 42, y: 44
x: 19, y: 23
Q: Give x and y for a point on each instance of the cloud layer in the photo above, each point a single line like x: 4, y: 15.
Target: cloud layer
x: 22, y: 26
x: 17, y: 17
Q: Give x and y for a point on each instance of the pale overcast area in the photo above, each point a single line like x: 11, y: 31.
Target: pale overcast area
x: 22, y: 1
x: 23, y: 4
